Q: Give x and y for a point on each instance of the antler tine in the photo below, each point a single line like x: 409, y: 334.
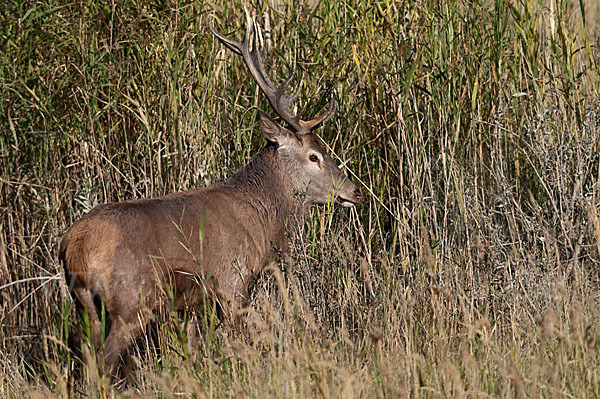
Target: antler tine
x: 281, y: 90
x: 294, y: 96
x: 230, y: 44
x: 285, y: 103
x: 287, y: 82
x: 324, y: 117
x: 250, y: 49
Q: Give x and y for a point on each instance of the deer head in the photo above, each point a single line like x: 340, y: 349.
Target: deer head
x: 308, y: 167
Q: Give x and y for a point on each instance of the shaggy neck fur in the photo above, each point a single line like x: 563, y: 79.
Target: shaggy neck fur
x: 264, y: 184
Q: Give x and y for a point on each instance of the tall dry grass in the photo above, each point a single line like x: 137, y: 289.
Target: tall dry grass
x: 472, y: 270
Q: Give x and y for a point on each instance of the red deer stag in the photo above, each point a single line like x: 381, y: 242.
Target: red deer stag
x: 207, y: 243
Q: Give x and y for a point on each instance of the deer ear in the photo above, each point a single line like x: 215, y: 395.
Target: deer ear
x: 272, y: 131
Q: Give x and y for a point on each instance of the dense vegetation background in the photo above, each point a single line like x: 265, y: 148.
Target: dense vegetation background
x: 471, y: 270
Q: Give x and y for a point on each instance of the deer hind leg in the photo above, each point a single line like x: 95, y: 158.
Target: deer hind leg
x: 84, y: 296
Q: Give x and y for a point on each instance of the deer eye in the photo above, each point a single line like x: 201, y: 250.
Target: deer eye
x: 313, y: 158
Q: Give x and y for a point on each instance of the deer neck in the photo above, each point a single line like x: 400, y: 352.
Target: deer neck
x: 264, y: 186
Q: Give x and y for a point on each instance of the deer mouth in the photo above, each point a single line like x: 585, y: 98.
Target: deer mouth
x: 346, y: 203
x: 351, y: 200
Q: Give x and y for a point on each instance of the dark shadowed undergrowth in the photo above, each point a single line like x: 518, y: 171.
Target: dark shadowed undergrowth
x: 472, y: 270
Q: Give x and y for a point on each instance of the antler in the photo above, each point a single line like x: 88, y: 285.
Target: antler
x: 250, y: 49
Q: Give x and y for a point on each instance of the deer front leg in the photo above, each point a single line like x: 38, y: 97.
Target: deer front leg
x: 124, y: 330
x: 232, y: 307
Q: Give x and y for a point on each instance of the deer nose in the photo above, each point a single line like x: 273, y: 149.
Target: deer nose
x: 358, y: 195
